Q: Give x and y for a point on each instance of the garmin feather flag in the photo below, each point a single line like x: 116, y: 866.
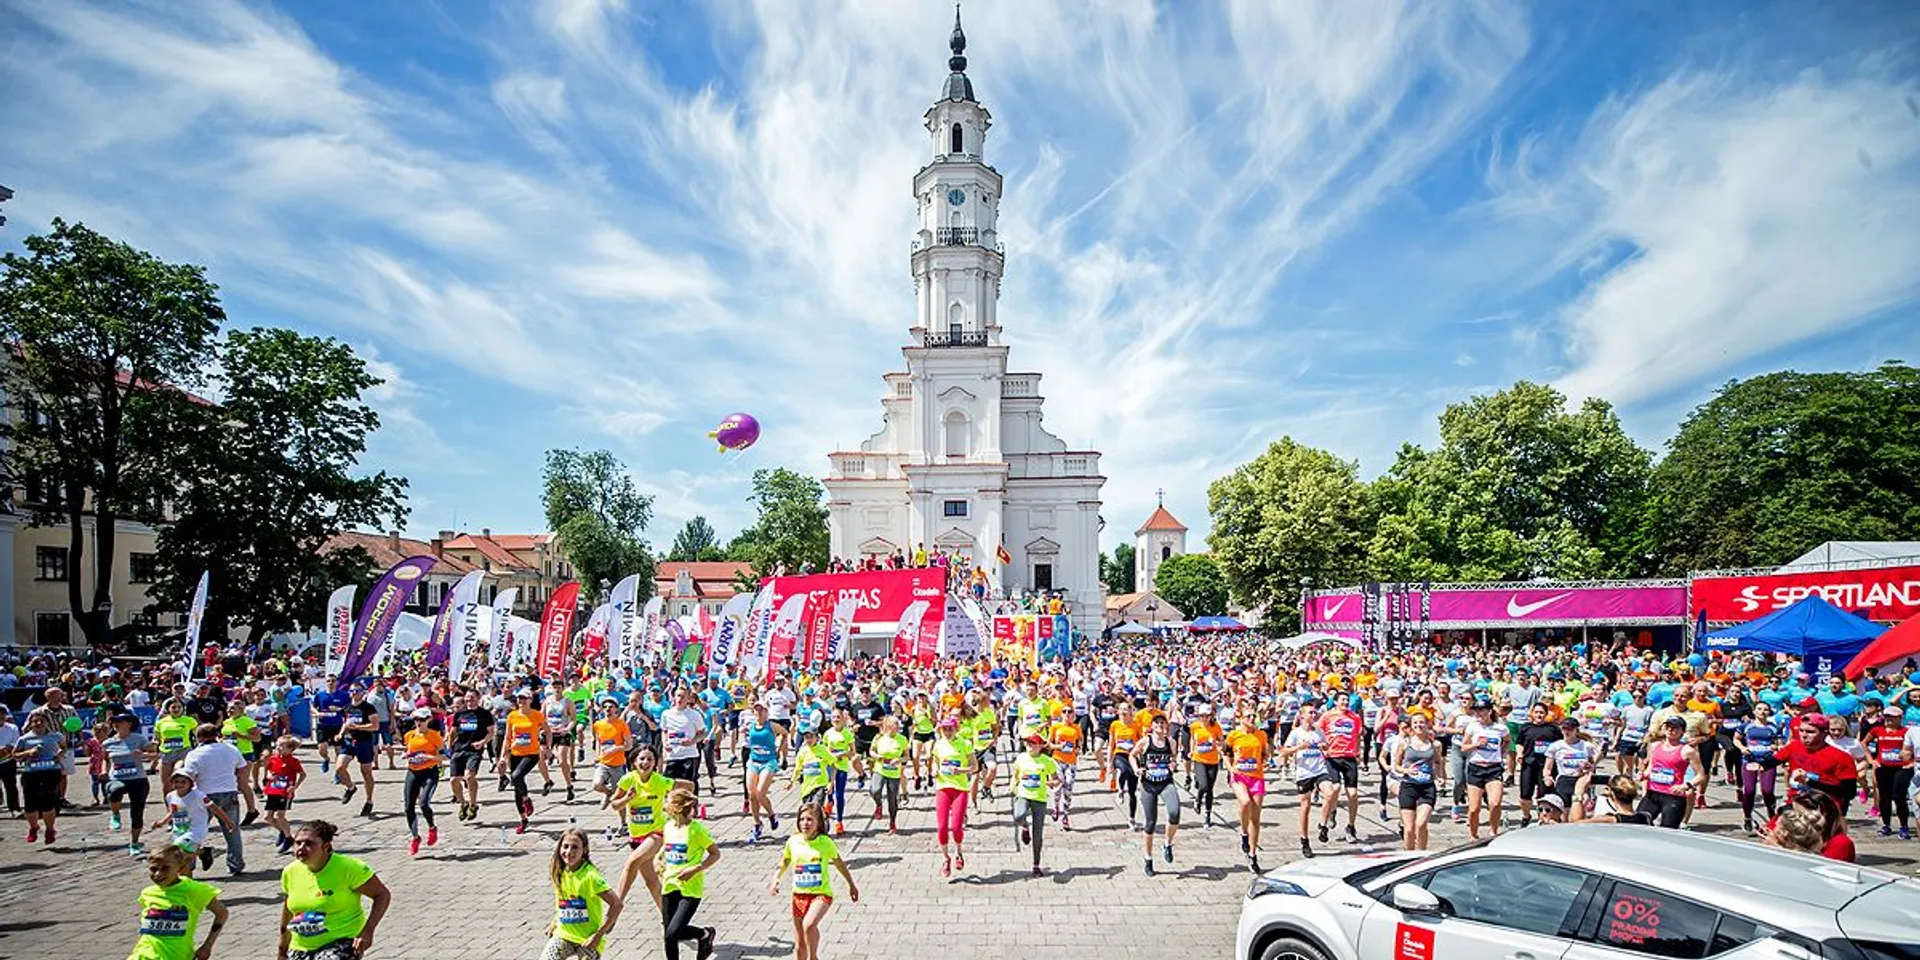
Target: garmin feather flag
x: 381, y: 610
x: 464, y: 635
x: 500, y: 651
x: 623, y: 603
x: 457, y: 603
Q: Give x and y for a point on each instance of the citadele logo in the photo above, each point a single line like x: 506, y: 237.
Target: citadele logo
x: 1518, y: 610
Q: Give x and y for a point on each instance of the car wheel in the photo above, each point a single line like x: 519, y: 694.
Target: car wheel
x: 1289, y: 948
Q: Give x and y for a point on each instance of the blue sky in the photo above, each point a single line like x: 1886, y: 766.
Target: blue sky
x: 612, y: 222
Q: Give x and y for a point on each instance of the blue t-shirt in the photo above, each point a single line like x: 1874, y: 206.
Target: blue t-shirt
x: 1762, y: 740
x: 1660, y: 694
x: 762, y: 743
x: 1838, y: 704
x: 327, y: 705
x: 1773, y: 698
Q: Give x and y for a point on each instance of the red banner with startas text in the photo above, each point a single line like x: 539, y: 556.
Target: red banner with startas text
x: 556, y: 631
x: 817, y: 624
x: 1886, y: 594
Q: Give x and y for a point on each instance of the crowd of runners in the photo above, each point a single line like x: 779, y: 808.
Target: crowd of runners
x: 1495, y: 738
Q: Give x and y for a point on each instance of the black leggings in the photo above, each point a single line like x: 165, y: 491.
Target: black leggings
x: 1730, y: 752
x: 1204, y: 775
x: 676, y: 913
x: 886, y: 792
x: 10, y: 782
x: 1709, y: 752
x: 132, y: 793
x: 1129, y: 782
x: 1664, y: 809
x: 1893, y: 783
x: 517, y: 773
x: 419, y: 793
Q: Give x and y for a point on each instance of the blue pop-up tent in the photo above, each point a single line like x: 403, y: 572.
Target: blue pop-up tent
x: 1812, y: 629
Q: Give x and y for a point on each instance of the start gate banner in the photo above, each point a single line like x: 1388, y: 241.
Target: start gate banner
x: 1886, y: 594
x: 880, y: 597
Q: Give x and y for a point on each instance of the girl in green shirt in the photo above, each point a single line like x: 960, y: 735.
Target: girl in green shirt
x: 170, y: 909
x: 685, y: 857
x: 812, y: 766
x: 887, y: 754
x: 585, y: 905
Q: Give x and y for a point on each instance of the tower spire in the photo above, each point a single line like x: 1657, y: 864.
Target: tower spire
x: 958, y: 86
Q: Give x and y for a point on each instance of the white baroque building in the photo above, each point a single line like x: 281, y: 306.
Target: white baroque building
x: 961, y: 461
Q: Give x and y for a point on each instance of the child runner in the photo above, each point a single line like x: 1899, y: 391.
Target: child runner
x: 128, y: 752
x: 686, y: 853
x: 170, y: 910
x: 886, y: 751
x: 188, y: 813
x: 952, y: 759
x: 811, y: 856
x: 644, y: 793
x: 1034, y: 772
x: 585, y: 907
x: 284, y: 774
x: 812, y: 767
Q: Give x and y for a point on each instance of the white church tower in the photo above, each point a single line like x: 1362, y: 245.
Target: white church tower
x: 961, y: 461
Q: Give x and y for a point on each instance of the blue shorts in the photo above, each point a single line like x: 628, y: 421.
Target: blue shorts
x: 755, y: 767
x: 386, y: 734
x: 361, y: 750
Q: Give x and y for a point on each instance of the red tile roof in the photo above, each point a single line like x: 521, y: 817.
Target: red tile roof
x: 713, y: 579
x: 388, y: 551
x: 490, y: 548
x: 522, y: 541
x: 1161, y: 520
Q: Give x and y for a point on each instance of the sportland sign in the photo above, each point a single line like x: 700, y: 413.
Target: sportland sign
x: 1886, y: 594
x: 1472, y: 606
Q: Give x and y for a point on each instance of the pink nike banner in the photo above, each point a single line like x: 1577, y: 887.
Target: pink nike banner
x: 1536, y: 604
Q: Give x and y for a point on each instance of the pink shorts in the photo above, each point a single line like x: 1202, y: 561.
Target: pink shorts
x: 1256, y: 784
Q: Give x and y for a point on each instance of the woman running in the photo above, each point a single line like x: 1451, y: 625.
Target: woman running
x: 170, y: 909
x: 763, y: 764
x: 1892, y: 755
x: 1153, y: 757
x: 886, y: 756
x: 952, y: 760
x: 1034, y: 773
x: 1249, y: 748
x: 839, y: 742
x: 557, y: 710
x: 984, y: 737
x: 322, y: 917
x: 1121, y: 737
x: 1484, y: 746
x: 1758, y: 742
x: 38, y: 754
x: 643, y: 794
x: 585, y: 907
x: 1673, y: 771
x: 128, y: 752
x: 526, y: 751
x: 921, y: 713
x: 687, y: 851
x: 1570, y: 765
x: 810, y: 858
x: 423, y: 744
x: 1203, y: 762
x: 1416, y: 762
x: 174, y: 733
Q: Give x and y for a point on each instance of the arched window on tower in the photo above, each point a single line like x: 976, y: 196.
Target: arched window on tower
x: 955, y: 427
x: 956, y: 320
x: 957, y: 141
x: 1166, y: 552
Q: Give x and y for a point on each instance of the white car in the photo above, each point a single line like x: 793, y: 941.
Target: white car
x: 1581, y: 892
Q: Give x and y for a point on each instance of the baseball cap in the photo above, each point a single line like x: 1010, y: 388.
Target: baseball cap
x: 422, y: 713
x: 1676, y: 722
x: 1553, y: 800
x: 1815, y: 719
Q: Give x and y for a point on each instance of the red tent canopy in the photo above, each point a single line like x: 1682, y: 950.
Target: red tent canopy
x: 1895, y: 645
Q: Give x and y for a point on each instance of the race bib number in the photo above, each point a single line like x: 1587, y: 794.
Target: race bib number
x: 124, y: 769
x: 1159, y: 770
x: 1030, y: 781
x: 811, y: 770
x: 164, y: 922
x: 279, y: 783
x: 676, y: 854
x: 1890, y: 755
x: 807, y: 877
x: 420, y: 761
x: 1663, y: 776
x: 950, y: 766
x: 522, y: 739
x: 311, y: 923
x: 469, y: 726
x: 1124, y: 746
x: 573, y: 911
x: 1247, y: 764
x: 1540, y: 748
x: 891, y: 768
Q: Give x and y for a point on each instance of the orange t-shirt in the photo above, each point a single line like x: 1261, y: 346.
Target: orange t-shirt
x: 1143, y: 721
x: 523, y: 732
x: 423, y: 749
x: 1247, y: 749
x: 1066, y: 743
x: 1206, y: 741
x: 1123, y: 735
x: 610, y: 741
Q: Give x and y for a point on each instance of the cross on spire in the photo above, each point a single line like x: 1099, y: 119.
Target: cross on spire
x: 1160, y: 497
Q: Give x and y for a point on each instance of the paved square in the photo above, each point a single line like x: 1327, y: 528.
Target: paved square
x: 483, y: 891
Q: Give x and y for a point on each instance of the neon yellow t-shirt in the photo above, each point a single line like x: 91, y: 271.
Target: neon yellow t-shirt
x: 986, y: 727
x: 322, y: 904
x: 1030, y: 774
x: 644, y: 814
x: 577, y: 904
x: 168, y: 918
x: 952, y: 764
x: 683, y: 849
x: 839, y: 743
x: 887, y: 750
x: 815, y: 766
x: 174, y: 733
x: 811, y: 864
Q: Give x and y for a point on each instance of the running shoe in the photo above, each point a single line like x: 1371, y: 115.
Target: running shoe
x: 1066, y: 822
x: 366, y: 809
x: 755, y: 838
x: 1323, y: 833
x: 324, y: 765
x: 52, y: 832
x: 705, y: 943
x: 960, y: 862
x: 136, y: 850
x: 1254, y: 864
x: 348, y: 796
x: 1245, y: 846
x: 1148, y: 866
x: 33, y: 833
x: 1306, y: 849
x: 285, y: 845
x: 113, y: 820
x: 206, y: 857
x: 946, y: 867
x: 546, y: 788
x: 1166, y: 853
x: 746, y: 806
x: 775, y: 821
x: 413, y: 846
x: 252, y: 817
x: 433, y: 836
x: 1748, y: 827
x: 893, y: 828
x: 1906, y: 834
x: 1352, y: 835
x: 523, y: 826
x: 1886, y: 831
x: 839, y: 829
x: 703, y: 811
x: 1026, y: 835
x: 1873, y: 813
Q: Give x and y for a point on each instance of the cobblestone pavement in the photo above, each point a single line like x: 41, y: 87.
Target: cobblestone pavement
x: 483, y: 891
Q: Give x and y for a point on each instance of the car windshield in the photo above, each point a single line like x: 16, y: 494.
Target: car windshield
x: 1376, y: 882
x: 1875, y: 949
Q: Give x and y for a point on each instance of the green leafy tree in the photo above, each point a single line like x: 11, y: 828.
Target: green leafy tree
x: 1290, y: 516
x: 792, y: 526
x: 105, y: 338
x: 274, y: 475
x: 1519, y: 487
x: 696, y: 541
x: 1117, y: 571
x: 1193, y: 582
x: 598, y: 517
x: 1780, y: 463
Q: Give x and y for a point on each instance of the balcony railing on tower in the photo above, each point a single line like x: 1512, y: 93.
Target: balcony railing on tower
x: 956, y: 236
x: 953, y: 339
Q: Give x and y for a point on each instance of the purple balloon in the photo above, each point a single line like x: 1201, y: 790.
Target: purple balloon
x: 737, y: 432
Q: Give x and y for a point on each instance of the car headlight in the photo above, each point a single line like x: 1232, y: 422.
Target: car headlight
x: 1262, y: 886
